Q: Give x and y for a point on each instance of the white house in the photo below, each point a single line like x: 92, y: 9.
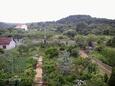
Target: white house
x: 22, y: 27
x: 7, y: 43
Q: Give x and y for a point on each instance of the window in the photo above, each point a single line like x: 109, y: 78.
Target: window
x: 4, y: 47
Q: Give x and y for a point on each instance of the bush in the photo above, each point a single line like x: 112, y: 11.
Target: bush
x: 109, y: 54
x: 26, y: 82
x: 51, y: 52
x: 99, y: 48
x: 70, y: 33
x: 74, y: 52
x: 1, y: 51
x: 112, y: 78
x: 111, y: 42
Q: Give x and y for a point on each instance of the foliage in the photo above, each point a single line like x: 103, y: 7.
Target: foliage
x: 1, y: 51
x: 64, y: 62
x: 109, y: 54
x: 70, y: 33
x: 51, y: 52
x: 74, y: 52
x: 65, y: 69
x: 112, y: 78
x: 105, y: 54
x: 17, y: 62
x: 111, y: 42
x: 97, y: 80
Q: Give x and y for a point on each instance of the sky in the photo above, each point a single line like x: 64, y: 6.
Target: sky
x: 22, y: 11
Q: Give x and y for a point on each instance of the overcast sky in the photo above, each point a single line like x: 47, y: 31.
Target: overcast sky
x: 48, y: 10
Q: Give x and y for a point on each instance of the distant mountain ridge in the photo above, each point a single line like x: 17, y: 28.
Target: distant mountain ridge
x: 72, y: 19
x: 75, y: 19
x: 6, y: 25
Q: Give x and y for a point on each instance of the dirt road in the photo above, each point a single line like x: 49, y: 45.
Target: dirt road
x: 38, y: 81
x: 103, y: 67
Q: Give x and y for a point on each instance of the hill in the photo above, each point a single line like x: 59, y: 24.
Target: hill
x: 76, y: 19
x: 6, y: 25
x: 82, y: 24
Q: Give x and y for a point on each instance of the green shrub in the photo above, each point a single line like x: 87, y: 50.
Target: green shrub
x: 1, y: 51
x: 74, y: 52
x: 51, y: 52
x: 112, y: 78
x: 111, y: 42
x: 109, y: 54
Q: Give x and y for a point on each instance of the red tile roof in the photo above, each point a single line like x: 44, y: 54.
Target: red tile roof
x: 5, y: 40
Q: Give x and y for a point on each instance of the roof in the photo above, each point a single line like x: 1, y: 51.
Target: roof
x: 5, y: 40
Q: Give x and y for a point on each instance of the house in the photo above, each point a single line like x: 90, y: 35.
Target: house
x: 22, y: 27
x: 7, y: 43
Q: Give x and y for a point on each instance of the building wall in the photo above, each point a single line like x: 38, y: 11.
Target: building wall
x: 22, y: 27
x: 11, y: 45
x: 1, y: 46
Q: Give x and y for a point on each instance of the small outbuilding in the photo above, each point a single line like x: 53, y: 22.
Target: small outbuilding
x: 7, y: 43
x: 22, y: 27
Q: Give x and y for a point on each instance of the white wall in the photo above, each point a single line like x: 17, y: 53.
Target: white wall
x: 1, y: 46
x: 11, y: 45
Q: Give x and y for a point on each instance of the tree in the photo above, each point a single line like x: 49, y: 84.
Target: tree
x: 106, y: 32
x: 70, y: 33
x: 51, y: 52
x: 112, y: 78
x: 82, y: 28
x: 81, y: 40
x: 60, y: 29
x: 109, y: 56
x: 64, y: 62
x: 74, y: 52
x: 111, y: 42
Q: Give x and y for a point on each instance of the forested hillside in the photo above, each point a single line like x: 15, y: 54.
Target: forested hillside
x: 6, y: 25
x: 78, y: 49
x: 83, y: 24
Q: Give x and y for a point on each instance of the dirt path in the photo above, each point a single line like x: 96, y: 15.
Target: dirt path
x: 38, y: 81
x: 83, y: 54
x: 103, y: 67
